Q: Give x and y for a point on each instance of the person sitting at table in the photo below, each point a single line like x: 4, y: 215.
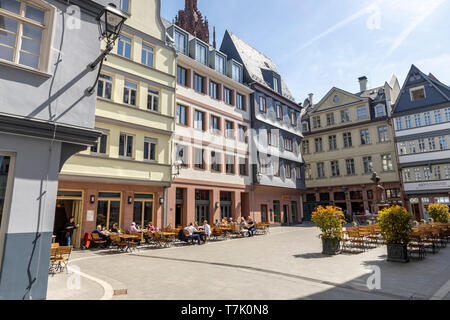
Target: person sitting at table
x: 216, y: 223
x: 251, y: 226
x: 191, y: 229
x: 207, y: 229
x: 224, y: 221
x: 102, y: 235
x: 150, y: 227
x: 114, y: 228
x: 134, y: 229
x: 243, y: 226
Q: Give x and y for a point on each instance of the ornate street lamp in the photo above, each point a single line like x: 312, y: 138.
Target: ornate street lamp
x: 110, y: 23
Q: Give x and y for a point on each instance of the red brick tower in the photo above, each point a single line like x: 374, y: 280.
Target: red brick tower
x: 191, y: 20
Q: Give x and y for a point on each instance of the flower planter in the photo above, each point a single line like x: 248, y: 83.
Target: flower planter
x: 331, y: 246
x: 397, y: 253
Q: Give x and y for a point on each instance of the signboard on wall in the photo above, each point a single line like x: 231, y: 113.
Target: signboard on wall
x: 429, y: 185
x: 90, y: 216
x: 286, y: 198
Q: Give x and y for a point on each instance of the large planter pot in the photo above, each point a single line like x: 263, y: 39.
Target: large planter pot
x: 397, y: 253
x: 331, y: 246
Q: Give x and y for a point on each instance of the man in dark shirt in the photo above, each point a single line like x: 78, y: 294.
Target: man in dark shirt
x: 70, y: 226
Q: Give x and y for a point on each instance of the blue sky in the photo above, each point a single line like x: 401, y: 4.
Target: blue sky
x: 322, y: 44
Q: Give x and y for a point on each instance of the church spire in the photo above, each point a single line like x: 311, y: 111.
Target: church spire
x: 191, y: 20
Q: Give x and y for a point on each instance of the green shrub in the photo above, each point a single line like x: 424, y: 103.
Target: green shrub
x: 439, y: 212
x: 396, y: 225
x: 329, y: 220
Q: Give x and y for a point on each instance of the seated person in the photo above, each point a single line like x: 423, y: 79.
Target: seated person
x: 102, y: 235
x: 207, y: 229
x: 243, y: 226
x: 191, y: 229
x: 251, y: 225
x: 216, y: 223
x: 150, y: 228
x: 114, y: 228
x: 134, y: 229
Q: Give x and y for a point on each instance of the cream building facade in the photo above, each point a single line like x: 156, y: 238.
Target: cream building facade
x: 347, y: 138
x: 125, y: 177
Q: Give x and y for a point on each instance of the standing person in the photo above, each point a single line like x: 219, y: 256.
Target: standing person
x: 70, y: 226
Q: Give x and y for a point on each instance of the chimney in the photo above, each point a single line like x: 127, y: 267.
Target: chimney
x: 214, y: 38
x: 311, y: 95
x: 363, y: 83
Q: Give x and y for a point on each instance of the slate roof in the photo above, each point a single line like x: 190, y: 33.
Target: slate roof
x: 256, y: 63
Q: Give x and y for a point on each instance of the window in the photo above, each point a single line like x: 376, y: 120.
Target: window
x: 437, y: 116
x: 242, y: 132
x: 287, y: 171
x: 288, y: 144
x: 350, y: 166
x: 437, y: 173
x: 402, y: 148
x: 220, y: 64
x: 320, y: 170
x: 408, y: 122
x: 427, y: 173
x: 126, y: 145
x: 198, y: 122
x: 276, y: 168
x: 316, y: 122
x: 399, y: 123
x: 104, y: 88
x: 332, y: 144
x: 293, y: 118
x: 362, y: 113
x: 198, y: 86
x: 262, y: 104
x: 447, y: 114
x: 276, y: 85
x: 306, y: 146
x: 130, y: 93
x: 243, y: 167
x: 367, y: 165
x: 182, y: 115
x: 147, y: 55
x: 199, y: 159
x: 227, y: 96
x: 447, y: 172
x: 330, y: 119
x: 417, y: 94
x: 386, y: 161
x: 153, y: 100
x: 182, y: 76
x: 215, y: 124
x: 181, y: 154
x: 345, y: 116
x: 427, y: 116
x: 229, y: 129
x: 213, y: 92
x: 418, y: 120
x: 417, y: 174
x: 180, y: 41
x: 124, y: 47
x: 308, y: 172
x: 101, y: 145
x: 240, y: 102
x: 272, y: 138
x: 335, y: 169
x: 407, y: 175
x: 279, y: 112
x: 229, y: 164
x: 383, y: 134
x: 236, y: 72
x: 347, y: 140
x: 216, y: 161
x: 443, y: 143
x: 422, y: 145
x: 200, y: 53
x: 393, y: 193
x: 150, y: 149
x: 298, y: 173
x: 431, y: 144
x: 318, y: 144
x: 125, y: 5
x: 380, y: 111
x: 365, y: 137
x: 412, y: 147
x: 305, y: 127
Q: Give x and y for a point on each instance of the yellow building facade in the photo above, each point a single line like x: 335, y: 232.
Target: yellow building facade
x: 125, y: 177
x: 347, y: 138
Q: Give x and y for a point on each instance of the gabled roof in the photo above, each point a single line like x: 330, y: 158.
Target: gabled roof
x: 436, y: 91
x: 333, y: 90
x: 255, y: 63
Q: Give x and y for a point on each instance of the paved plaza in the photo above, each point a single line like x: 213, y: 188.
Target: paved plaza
x: 286, y: 264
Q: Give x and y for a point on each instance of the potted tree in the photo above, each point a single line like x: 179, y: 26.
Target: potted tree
x: 329, y: 220
x: 439, y: 212
x: 396, y: 227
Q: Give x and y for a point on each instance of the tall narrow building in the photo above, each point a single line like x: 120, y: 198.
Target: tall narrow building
x: 125, y: 176
x: 277, y: 162
x: 421, y: 119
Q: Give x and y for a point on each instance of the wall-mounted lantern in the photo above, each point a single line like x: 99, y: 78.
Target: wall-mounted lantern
x: 92, y: 199
x: 130, y: 200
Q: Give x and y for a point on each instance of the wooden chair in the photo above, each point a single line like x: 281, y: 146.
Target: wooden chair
x: 62, y: 257
x: 97, y: 240
x: 416, y: 245
x: 53, y: 260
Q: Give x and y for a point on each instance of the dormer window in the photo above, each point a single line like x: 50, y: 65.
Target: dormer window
x: 220, y: 64
x: 125, y: 5
x: 380, y: 111
x: 236, y: 72
x: 200, y: 53
x: 276, y: 84
x: 180, y: 41
x: 417, y: 93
